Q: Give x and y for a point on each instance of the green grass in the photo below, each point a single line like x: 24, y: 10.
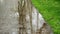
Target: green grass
x: 50, y: 10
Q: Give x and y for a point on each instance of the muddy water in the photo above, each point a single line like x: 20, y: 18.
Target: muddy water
x: 8, y: 16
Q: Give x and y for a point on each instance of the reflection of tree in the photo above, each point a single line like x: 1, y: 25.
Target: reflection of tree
x: 23, y: 6
x: 26, y: 9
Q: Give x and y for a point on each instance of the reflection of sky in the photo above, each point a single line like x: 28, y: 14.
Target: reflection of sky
x: 1, y: 1
x: 35, y: 22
